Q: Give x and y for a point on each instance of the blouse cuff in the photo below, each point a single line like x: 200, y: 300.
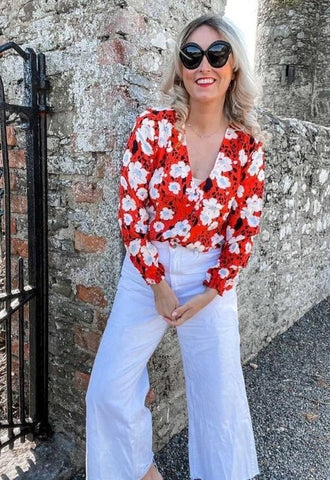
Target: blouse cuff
x: 154, y: 275
x: 221, y: 284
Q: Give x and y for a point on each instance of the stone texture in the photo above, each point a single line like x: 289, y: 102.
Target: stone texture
x: 295, y: 33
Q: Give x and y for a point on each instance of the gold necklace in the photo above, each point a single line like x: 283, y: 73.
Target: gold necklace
x: 202, y: 136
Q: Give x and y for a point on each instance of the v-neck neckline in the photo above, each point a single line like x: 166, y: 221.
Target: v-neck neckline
x: 190, y: 175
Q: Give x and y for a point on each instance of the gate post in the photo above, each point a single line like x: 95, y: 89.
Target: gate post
x: 35, y: 293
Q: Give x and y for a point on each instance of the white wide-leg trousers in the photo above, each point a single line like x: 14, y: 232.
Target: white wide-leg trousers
x: 119, y: 425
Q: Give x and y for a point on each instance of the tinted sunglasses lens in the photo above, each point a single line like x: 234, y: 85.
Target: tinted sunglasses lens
x: 218, y: 54
x: 191, y: 56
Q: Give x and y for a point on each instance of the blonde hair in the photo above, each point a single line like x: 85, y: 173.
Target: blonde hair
x: 239, y: 106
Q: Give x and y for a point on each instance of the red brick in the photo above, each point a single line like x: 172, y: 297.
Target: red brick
x: 100, y: 319
x: 115, y: 51
x: 12, y: 179
x: 89, y: 243
x: 19, y: 247
x: 13, y: 226
x: 11, y: 137
x: 87, y: 192
x: 150, y: 398
x: 87, y: 339
x: 17, y: 158
x: 92, y: 295
x: 19, y: 203
x: 15, y: 348
x: 81, y: 380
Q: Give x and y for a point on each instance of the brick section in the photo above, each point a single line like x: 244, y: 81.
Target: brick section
x: 92, y: 295
x: 81, y: 380
x: 15, y: 348
x: 86, y: 339
x: 19, y: 247
x: 89, y: 243
x: 11, y: 136
x: 115, y: 51
x: 100, y: 319
x: 19, y: 203
x: 13, y: 226
x: 88, y: 192
x: 12, y: 179
x: 16, y: 158
x: 150, y: 398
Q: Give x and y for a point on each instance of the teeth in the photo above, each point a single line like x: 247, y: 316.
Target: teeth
x: 205, y: 80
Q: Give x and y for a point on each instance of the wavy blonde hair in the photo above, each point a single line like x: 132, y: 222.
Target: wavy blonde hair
x: 239, y: 106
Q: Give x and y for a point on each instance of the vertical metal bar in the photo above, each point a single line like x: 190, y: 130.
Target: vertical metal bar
x: 21, y: 347
x: 37, y: 213
x: 43, y: 86
x: 4, y: 152
x: 32, y: 172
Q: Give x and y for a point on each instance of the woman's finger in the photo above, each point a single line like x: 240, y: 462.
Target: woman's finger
x: 179, y: 311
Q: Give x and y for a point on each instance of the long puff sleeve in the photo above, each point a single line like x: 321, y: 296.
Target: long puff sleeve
x: 134, y: 209
x: 243, y: 221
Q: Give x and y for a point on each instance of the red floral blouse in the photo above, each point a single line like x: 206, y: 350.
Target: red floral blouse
x: 158, y: 199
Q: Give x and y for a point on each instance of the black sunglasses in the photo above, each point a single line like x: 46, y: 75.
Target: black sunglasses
x: 191, y: 54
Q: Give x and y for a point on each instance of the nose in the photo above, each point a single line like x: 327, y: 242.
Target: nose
x: 204, y: 65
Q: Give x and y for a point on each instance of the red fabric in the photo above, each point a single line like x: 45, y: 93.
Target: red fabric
x: 158, y: 199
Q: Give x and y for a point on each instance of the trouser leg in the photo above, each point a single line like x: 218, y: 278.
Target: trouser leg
x: 221, y: 441
x: 118, y: 425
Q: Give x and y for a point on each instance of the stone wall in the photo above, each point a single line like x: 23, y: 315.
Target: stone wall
x: 295, y: 34
x: 105, y: 61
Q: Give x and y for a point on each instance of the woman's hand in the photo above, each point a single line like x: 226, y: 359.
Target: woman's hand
x: 186, y: 311
x: 165, y: 299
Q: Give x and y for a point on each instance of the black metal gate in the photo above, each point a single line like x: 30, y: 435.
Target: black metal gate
x: 23, y: 230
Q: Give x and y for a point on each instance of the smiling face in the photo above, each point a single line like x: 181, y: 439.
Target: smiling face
x: 206, y: 84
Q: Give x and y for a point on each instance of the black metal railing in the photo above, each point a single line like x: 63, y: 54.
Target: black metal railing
x: 24, y: 295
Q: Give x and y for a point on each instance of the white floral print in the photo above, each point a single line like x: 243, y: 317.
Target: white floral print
x: 257, y: 161
x: 128, y: 203
x: 211, y: 209
x: 137, y: 175
x: 142, y: 194
x: 144, y: 133
x: 243, y: 158
x: 179, y: 169
x: 166, y: 214
x: 174, y: 187
x: 165, y: 132
x: 134, y: 246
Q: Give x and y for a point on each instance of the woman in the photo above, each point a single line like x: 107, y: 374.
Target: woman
x: 190, y: 204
